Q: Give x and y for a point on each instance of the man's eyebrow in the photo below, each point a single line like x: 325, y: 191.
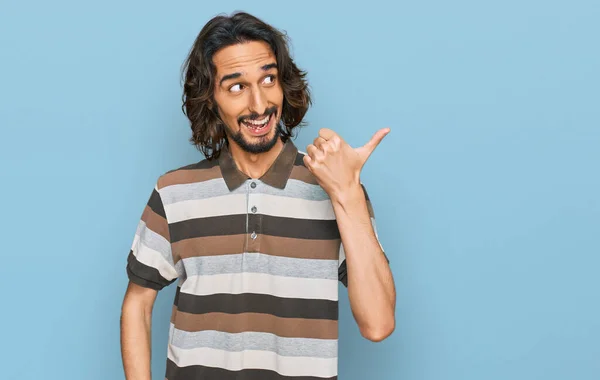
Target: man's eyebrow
x: 269, y: 66
x: 229, y: 76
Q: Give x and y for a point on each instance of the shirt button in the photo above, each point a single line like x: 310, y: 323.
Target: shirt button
x: 253, y: 236
x: 253, y: 185
x: 253, y: 209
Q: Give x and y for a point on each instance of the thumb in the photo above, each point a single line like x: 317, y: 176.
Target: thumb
x: 366, y: 150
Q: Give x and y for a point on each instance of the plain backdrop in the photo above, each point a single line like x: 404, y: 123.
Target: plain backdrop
x: 486, y: 191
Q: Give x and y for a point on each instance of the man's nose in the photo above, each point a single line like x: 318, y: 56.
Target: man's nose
x: 258, y: 103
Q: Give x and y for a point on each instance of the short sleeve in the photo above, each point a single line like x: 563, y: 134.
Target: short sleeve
x: 150, y: 261
x: 342, y: 270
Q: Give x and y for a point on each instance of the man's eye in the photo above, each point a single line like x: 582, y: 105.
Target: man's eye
x: 270, y: 79
x: 236, y: 88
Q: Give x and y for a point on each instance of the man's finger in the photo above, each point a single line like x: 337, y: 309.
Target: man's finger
x: 366, y: 150
x: 318, y: 142
x: 326, y: 133
x: 315, y: 153
x: 308, y: 162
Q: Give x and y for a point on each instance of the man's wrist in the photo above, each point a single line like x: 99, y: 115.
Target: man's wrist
x: 349, y: 196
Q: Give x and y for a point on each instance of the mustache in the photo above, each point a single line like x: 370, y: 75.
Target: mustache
x: 254, y: 116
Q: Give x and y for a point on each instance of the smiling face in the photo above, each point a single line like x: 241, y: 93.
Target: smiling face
x: 249, y: 95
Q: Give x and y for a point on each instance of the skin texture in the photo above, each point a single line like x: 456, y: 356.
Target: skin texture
x: 247, y: 86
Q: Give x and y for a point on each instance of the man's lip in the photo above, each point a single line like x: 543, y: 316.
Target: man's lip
x: 270, y: 113
x: 259, y: 118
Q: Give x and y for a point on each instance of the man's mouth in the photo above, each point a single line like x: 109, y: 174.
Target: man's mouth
x: 258, y: 126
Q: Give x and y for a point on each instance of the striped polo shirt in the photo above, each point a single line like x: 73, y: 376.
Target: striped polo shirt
x: 257, y: 264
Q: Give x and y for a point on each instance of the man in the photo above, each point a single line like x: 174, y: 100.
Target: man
x: 257, y: 234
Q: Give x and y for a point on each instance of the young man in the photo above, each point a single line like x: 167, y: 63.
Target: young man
x: 257, y: 234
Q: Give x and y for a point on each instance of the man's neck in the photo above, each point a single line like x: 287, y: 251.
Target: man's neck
x: 254, y: 165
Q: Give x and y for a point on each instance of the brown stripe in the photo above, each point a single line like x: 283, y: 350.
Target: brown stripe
x: 181, y: 177
x: 299, y: 248
x: 266, y: 244
x: 301, y: 173
x: 257, y: 322
x: 155, y: 222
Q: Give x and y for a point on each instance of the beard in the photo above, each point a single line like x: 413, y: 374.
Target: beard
x: 264, y: 143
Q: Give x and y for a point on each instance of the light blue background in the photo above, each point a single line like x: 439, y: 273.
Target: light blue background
x: 487, y: 190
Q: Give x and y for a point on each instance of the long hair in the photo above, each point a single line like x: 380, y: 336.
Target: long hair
x: 198, y: 104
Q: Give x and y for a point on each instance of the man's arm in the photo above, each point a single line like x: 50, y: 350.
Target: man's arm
x: 337, y: 166
x: 136, y: 322
x: 371, y: 287
x: 150, y: 268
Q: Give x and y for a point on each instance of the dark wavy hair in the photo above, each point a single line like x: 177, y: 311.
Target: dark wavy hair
x: 198, y: 77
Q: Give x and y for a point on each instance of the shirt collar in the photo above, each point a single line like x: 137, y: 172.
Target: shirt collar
x: 276, y: 176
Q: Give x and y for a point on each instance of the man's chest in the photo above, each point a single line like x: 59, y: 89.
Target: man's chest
x: 256, y: 229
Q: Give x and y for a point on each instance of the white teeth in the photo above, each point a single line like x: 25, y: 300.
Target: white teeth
x: 258, y: 122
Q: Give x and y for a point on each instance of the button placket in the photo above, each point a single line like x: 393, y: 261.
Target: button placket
x: 253, y: 226
x: 250, y: 232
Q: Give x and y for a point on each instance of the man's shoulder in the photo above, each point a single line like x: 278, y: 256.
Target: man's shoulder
x: 199, y: 171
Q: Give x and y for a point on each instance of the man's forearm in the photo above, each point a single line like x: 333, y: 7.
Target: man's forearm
x: 136, y: 343
x: 370, y: 283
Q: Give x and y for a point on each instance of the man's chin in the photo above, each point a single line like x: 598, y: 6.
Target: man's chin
x: 256, y: 144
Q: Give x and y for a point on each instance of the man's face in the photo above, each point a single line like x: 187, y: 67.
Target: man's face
x: 248, y: 94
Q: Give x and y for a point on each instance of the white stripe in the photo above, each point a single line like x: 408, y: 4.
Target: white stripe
x: 153, y: 259
x: 265, y: 204
x: 207, y: 207
x: 293, y: 207
x: 254, y: 359
x: 262, y: 283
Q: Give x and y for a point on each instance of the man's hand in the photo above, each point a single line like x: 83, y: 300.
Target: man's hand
x: 335, y: 164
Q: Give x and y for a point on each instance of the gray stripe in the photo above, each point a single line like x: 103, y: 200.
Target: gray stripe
x: 197, y: 190
x: 217, y: 187
x: 154, y: 241
x: 297, y: 189
x: 260, y: 263
x: 306, y: 347
x: 181, y: 271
